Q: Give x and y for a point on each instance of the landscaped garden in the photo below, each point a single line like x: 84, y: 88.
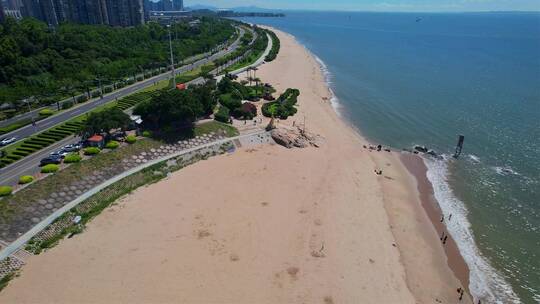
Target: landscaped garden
x: 284, y: 106
x: 233, y: 97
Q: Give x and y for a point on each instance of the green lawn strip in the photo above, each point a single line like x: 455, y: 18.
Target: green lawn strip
x: 71, y: 127
x: 42, y: 188
x: 249, y: 60
x: 93, y: 206
x: 5, y: 280
x: 215, y: 126
x: 39, y: 189
x: 275, y: 47
x: 195, y: 73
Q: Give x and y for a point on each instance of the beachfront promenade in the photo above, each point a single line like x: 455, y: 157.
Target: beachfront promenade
x: 10, y: 174
x: 38, y: 215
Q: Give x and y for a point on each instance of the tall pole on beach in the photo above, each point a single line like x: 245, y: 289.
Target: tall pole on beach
x: 172, y: 58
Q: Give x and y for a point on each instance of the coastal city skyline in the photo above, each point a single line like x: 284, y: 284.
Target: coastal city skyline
x: 284, y: 151
x: 378, y: 5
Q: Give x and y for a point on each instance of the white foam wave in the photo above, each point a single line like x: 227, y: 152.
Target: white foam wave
x: 485, y: 282
x: 505, y: 170
x: 474, y: 158
x: 334, y: 101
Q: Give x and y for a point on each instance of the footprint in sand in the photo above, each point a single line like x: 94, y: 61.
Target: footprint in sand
x: 328, y: 300
x: 234, y: 257
x: 201, y: 234
x: 293, y: 271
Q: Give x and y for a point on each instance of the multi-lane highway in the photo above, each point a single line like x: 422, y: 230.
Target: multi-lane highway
x: 90, y: 105
x: 29, y: 165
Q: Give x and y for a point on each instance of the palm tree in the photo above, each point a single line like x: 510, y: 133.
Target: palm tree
x: 257, y: 81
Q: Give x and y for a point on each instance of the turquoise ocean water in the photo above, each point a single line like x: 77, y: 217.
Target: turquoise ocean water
x: 406, y: 79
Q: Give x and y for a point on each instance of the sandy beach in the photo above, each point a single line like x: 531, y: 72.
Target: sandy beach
x: 265, y: 224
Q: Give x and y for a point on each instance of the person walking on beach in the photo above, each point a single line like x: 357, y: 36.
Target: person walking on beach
x: 450, y: 217
x: 444, y: 240
x: 442, y: 236
x: 442, y: 218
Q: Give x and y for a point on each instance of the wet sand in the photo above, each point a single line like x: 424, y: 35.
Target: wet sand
x: 261, y: 225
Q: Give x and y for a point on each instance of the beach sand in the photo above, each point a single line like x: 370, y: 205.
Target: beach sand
x: 261, y: 225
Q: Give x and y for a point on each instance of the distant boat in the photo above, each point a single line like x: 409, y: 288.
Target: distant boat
x: 418, y: 19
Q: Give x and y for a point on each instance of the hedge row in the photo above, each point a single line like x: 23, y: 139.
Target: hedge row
x: 275, y: 47
x: 132, y: 100
x: 41, y: 141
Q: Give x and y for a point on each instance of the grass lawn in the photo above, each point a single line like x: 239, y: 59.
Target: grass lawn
x: 42, y: 188
x: 195, y: 73
x: 215, y: 126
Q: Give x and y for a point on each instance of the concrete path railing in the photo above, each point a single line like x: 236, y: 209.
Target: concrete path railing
x: 18, y: 243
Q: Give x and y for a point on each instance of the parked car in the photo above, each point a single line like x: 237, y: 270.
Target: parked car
x: 119, y: 136
x: 59, y: 153
x: 7, y: 141
x: 51, y: 159
x: 72, y: 148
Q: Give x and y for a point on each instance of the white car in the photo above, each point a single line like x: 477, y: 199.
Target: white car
x: 60, y: 153
x: 8, y: 141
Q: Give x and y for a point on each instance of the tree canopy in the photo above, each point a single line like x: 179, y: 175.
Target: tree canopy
x: 174, y: 110
x: 106, y: 120
x: 38, y: 61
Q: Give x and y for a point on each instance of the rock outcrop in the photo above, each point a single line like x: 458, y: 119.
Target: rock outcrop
x: 291, y: 138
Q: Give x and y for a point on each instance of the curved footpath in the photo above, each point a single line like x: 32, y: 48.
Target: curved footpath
x: 19, y: 243
x: 262, y: 225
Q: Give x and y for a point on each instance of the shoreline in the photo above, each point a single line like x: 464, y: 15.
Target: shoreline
x: 417, y: 170
x: 318, y: 226
x: 416, y: 167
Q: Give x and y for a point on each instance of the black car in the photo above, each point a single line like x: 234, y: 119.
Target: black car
x: 51, y: 159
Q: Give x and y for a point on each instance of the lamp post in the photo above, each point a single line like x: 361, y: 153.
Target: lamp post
x: 172, y: 58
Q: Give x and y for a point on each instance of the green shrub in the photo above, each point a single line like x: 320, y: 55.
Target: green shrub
x: 50, y: 168
x: 146, y: 133
x: 91, y: 151
x: 223, y: 115
x: 131, y: 139
x: 67, y: 105
x: 72, y: 158
x: 284, y: 106
x: 25, y: 179
x: 82, y: 98
x: 46, y: 112
x: 107, y: 89
x: 140, y: 78
x: 5, y: 190
x: 231, y: 101
x: 112, y: 145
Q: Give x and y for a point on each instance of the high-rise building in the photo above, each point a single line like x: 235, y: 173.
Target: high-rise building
x: 125, y: 12
x: 178, y: 5
x: 2, y: 16
x: 88, y: 11
x: 113, y: 12
x: 49, y: 12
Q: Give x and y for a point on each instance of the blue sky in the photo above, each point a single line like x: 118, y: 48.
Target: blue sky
x: 381, y: 5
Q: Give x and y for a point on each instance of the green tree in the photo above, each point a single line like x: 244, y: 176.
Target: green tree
x: 106, y: 120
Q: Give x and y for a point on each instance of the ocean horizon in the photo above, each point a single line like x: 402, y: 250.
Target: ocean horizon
x: 408, y: 79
